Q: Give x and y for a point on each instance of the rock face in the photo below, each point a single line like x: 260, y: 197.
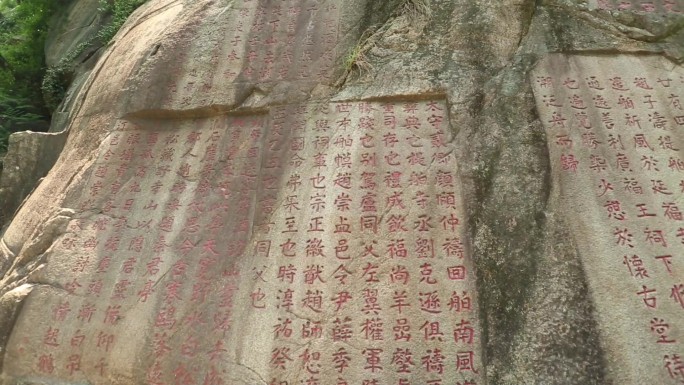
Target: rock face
x: 361, y: 192
x: 30, y: 157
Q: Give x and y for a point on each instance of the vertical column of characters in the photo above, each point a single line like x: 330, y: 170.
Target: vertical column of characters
x: 331, y: 192
x: 302, y: 22
x: 279, y: 153
x: 328, y: 38
x: 219, y: 271
x: 217, y: 280
x: 383, y: 181
x: 195, y: 246
x: 288, y: 147
x: 273, y: 21
x: 646, y: 232
x: 332, y: 145
x: 163, y: 205
x: 59, y: 341
x: 283, y: 61
x: 315, y: 260
x: 171, y: 188
x: 260, y: 38
x: 445, y: 248
x: 112, y: 287
x: 237, y: 35
x: 368, y: 310
x: 314, y: 39
x: 83, y: 244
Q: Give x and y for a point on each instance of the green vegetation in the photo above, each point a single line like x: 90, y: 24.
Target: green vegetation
x: 23, y: 27
x: 29, y: 91
x: 120, y: 10
x: 58, y: 77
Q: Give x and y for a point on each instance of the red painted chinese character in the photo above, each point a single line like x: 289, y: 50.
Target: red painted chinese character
x: 342, y: 329
x: 623, y: 237
x: 372, y: 329
x: 73, y: 364
x: 280, y: 358
x: 660, y: 328
x: 465, y: 361
x: 341, y: 359
x: 460, y: 302
x: 399, y: 274
x: 400, y: 301
x: 313, y: 299
x: 431, y: 331
x: 429, y: 302
x: 51, y: 336
x: 649, y: 301
x: 403, y: 360
x: 677, y: 294
x: 372, y: 359
x: 433, y: 361
x: 402, y: 330
x: 46, y: 363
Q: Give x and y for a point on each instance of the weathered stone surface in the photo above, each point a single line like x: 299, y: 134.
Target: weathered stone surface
x: 29, y: 158
x: 160, y: 247
x: 72, y: 25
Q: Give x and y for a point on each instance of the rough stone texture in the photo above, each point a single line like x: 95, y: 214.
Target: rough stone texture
x: 29, y: 158
x: 543, y: 310
x: 73, y: 30
x: 74, y: 23
x: 31, y: 155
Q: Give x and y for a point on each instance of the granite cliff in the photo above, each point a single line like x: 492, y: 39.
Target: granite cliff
x: 357, y: 192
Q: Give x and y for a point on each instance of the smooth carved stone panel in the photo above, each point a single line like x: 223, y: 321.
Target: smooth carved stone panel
x: 319, y: 244
x: 641, y: 6
x: 615, y: 128
x: 360, y: 272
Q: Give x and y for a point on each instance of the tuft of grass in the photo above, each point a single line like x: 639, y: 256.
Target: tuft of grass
x: 416, y: 9
x: 356, y: 61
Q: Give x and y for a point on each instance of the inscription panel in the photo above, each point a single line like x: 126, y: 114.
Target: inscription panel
x: 322, y: 244
x: 148, y: 266
x: 615, y: 132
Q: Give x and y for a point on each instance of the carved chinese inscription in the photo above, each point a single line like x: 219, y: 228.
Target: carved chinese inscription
x: 359, y: 261
x: 286, y: 40
x: 615, y: 138
x: 324, y: 244
x: 163, y: 221
x: 261, y: 42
